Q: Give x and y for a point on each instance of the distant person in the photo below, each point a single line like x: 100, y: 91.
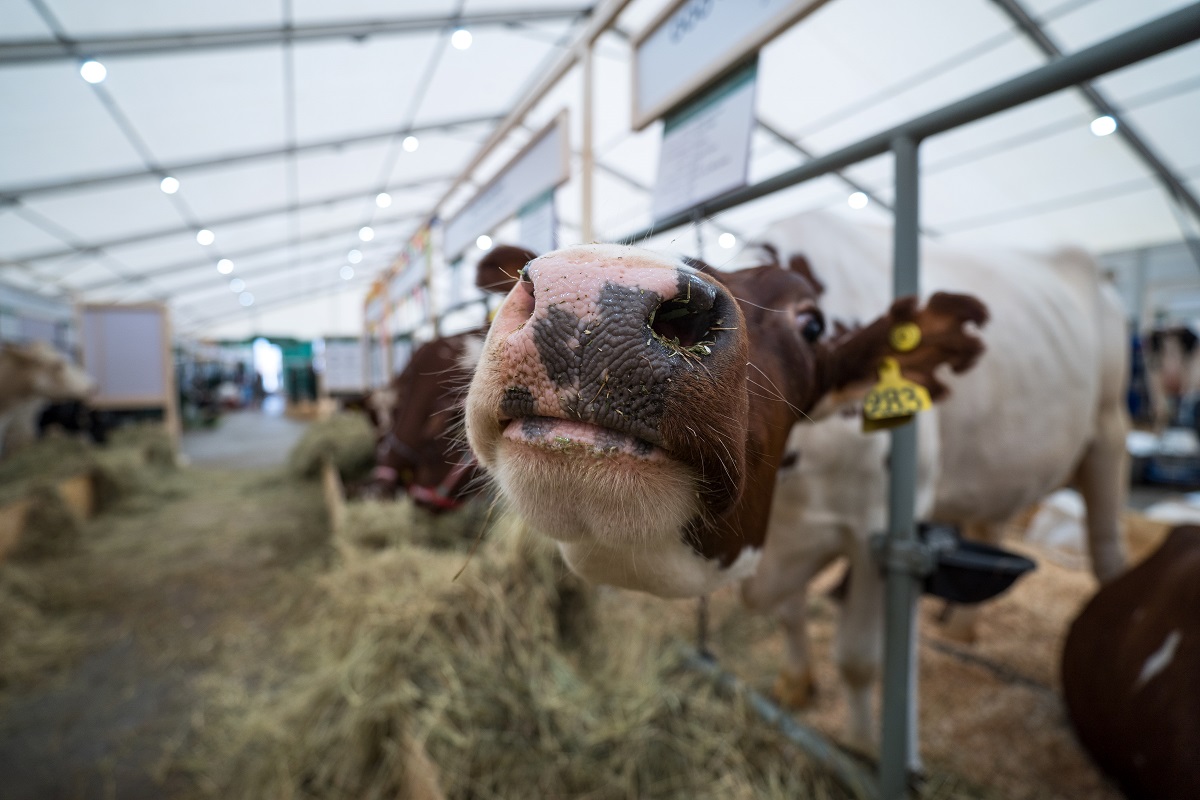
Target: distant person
x: 260, y: 391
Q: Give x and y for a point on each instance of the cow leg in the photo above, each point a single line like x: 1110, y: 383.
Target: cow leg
x: 959, y: 622
x: 1102, y: 478
x: 794, y: 686
x: 860, y: 645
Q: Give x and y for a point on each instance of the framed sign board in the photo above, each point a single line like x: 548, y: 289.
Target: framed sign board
x: 695, y: 42
x: 127, y: 351
x: 706, y: 146
x: 543, y: 165
x: 343, y: 366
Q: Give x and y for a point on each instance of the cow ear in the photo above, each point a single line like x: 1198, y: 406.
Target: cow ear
x: 499, y: 270
x: 920, y: 339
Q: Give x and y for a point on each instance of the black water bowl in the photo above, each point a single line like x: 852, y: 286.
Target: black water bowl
x: 970, y: 572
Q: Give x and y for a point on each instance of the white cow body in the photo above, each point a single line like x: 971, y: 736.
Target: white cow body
x: 1044, y: 407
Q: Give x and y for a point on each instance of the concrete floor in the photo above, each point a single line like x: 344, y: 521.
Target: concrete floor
x: 250, y: 439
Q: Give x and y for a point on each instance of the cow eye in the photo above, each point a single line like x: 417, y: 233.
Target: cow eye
x: 524, y: 275
x: 811, y: 323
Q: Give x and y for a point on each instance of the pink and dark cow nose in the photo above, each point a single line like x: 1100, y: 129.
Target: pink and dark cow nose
x: 609, y: 336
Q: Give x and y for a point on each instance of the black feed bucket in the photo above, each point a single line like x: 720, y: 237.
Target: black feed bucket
x: 969, y: 572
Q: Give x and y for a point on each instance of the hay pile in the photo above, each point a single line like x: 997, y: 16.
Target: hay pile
x: 150, y: 439
x: 53, y: 458
x: 51, y: 527
x: 346, y: 438
x: 506, y: 681
x: 373, y: 525
x: 30, y: 643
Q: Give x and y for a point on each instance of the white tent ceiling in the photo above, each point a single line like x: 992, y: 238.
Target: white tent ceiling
x: 1034, y: 176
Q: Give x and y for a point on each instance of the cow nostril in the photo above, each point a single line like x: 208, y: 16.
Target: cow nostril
x: 686, y: 320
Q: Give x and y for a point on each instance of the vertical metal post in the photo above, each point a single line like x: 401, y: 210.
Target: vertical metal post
x: 901, y: 592
x: 586, y: 149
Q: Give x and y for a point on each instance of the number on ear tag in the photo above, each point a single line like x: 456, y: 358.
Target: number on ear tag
x: 894, y: 400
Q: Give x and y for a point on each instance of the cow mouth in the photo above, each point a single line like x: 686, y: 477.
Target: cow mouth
x: 579, y: 438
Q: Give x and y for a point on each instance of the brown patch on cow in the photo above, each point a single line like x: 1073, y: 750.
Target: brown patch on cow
x: 1131, y: 673
x: 799, y: 264
x: 855, y: 357
x: 500, y: 269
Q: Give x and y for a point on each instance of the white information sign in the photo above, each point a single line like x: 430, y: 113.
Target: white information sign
x: 539, y: 225
x: 543, y: 165
x: 706, y: 147
x: 126, y: 349
x: 343, y: 366
x: 694, y: 42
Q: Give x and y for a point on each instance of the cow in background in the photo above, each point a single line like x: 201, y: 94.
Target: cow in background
x: 74, y: 417
x: 32, y: 375
x: 421, y: 449
x: 634, y: 406
x: 1173, y: 375
x: 1043, y: 409
x: 1131, y: 673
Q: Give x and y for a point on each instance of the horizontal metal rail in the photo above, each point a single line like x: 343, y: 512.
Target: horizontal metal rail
x: 233, y: 219
x: 9, y: 194
x: 24, y: 51
x: 1166, y: 33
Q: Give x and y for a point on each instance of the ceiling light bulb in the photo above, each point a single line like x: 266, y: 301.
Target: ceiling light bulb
x: 205, y: 237
x: 246, y: 299
x: 461, y: 39
x: 484, y: 242
x: 727, y: 240
x: 366, y: 233
x: 169, y: 185
x: 1103, y: 126
x: 858, y: 200
x: 237, y: 285
x: 383, y: 199
x: 347, y: 272
x: 224, y: 266
x: 354, y: 256
x: 411, y: 144
x: 94, y: 71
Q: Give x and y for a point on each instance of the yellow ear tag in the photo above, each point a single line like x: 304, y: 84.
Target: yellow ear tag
x: 905, y: 337
x: 894, y: 400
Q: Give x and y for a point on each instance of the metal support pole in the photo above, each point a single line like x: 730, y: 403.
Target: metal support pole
x: 901, y: 591
x: 587, y: 153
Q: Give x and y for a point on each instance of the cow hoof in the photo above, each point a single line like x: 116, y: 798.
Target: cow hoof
x: 794, y: 689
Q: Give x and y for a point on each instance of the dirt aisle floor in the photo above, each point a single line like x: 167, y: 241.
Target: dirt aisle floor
x: 162, y: 587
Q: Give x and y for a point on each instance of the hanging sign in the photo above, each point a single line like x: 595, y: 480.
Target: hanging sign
x: 409, y: 267
x: 542, y: 165
x: 539, y: 225
x: 375, y: 305
x: 706, y: 146
x: 694, y: 42
x: 343, y: 366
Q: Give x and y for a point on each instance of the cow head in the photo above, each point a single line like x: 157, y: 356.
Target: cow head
x: 42, y: 371
x: 634, y: 407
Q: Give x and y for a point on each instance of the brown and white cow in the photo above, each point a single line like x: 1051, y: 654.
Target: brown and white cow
x: 421, y: 450
x: 1131, y: 673
x: 634, y: 407
x: 1043, y: 409
x: 420, y: 413
x: 32, y: 375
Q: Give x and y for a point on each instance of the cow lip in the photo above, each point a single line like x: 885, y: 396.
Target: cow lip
x: 562, y: 432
